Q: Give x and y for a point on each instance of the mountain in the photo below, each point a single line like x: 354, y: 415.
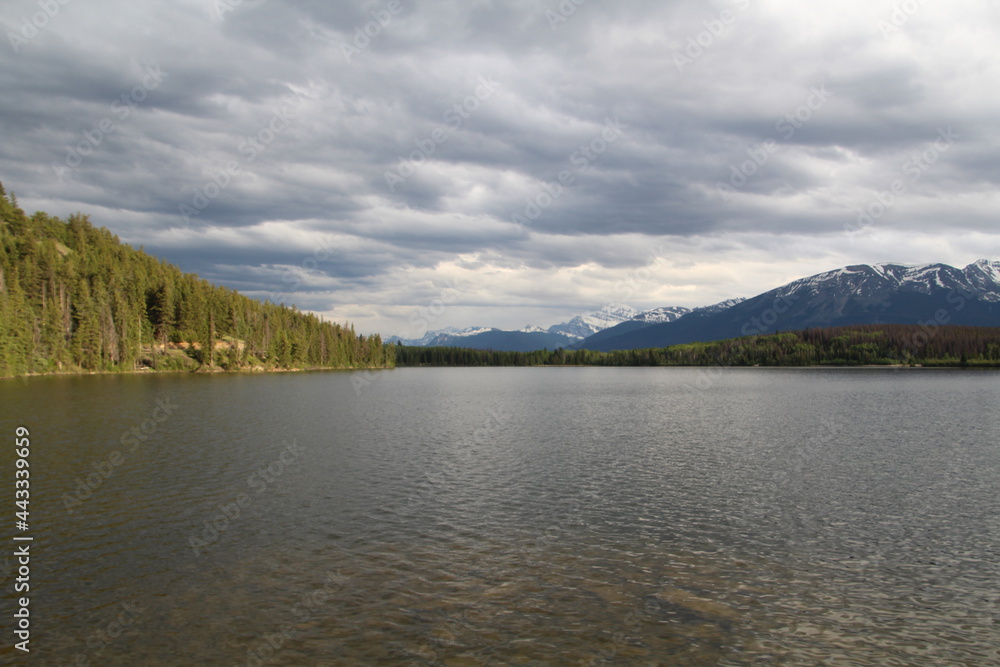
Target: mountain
x: 429, y: 338
x: 582, y: 326
x: 529, y: 338
x: 489, y: 338
x: 647, y: 319
x: 661, y: 315
x: 505, y: 341
x: 719, y: 307
x: 852, y: 345
x: 928, y: 295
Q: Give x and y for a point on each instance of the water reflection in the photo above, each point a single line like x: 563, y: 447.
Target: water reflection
x: 519, y: 516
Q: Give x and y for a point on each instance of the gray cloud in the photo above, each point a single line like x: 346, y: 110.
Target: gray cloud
x: 699, y: 90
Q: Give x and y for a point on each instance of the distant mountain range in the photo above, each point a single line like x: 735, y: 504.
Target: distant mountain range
x: 565, y: 335
x: 930, y: 295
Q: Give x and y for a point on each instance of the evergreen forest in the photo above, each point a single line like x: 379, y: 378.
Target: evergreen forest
x: 861, y: 345
x: 73, y: 298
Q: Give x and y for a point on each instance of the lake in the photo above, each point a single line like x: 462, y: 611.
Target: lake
x: 512, y: 516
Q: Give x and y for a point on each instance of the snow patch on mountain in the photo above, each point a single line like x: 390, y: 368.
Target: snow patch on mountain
x: 871, y: 283
x: 660, y: 315
x: 984, y: 275
x: 719, y: 307
x: 428, y: 338
x: 588, y: 324
x: 980, y: 279
x: 577, y: 328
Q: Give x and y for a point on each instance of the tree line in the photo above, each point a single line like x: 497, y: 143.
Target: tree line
x: 860, y: 345
x: 74, y: 298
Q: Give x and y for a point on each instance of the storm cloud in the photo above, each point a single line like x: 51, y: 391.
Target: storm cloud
x: 528, y: 157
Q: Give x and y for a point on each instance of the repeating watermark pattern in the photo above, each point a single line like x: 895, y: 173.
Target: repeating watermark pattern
x: 913, y: 169
x: 929, y: 327
x: 131, y: 439
x: 365, y: 33
x: 445, y: 636
x: 758, y: 324
x: 257, y: 483
x: 223, y: 7
x: 362, y: 379
x: 453, y: 119
x: 627, y: 287
x: 785, y: 127
x: 580, y: 161
x: 423, y: 317
x: 104, y: 636
x: 292, y: 276
x: 249, y: 148
x: 788, y: 480
x: 485, y: 433
x: 32, y: 25
x: 266, y: 646
x: 714, y: 28
x: 901, y: 13
x: 564, y: 11
x: 769, y: 316
x: 636, y: 624
x: 121, y: 108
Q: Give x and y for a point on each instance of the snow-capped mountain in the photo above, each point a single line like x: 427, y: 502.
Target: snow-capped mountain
x: 860, y: 294
x: 928, y: 294
x: 874, y: 281
x: 530, y: 337
x: 660, y: 315
x: 721, y: 306
x: 648, y: 318
x: 471, y: 331
x: 428, y: 338
x: 984, y: 275
x: 588, y: 324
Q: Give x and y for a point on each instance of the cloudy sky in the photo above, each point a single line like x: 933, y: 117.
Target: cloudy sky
x: 505, y: 163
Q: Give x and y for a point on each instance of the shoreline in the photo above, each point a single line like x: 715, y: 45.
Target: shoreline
x: 214, y: 371
x: 917, y: 367
x: 261, y: 371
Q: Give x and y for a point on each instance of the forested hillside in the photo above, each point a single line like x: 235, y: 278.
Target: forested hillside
x: 74, y: 298
x: 869, y: 344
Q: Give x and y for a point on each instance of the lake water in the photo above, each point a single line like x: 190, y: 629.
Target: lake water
x: 512, y: 516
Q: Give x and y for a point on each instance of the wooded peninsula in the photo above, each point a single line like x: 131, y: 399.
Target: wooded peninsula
x: 73, y: 298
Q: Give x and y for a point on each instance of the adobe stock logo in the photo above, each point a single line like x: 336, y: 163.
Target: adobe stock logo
x: 581, y: 160
x: 913, y: 169
x: 453, y: 118
x: 364, y: 34
x: 121, y: 109
x: 249, y: 148
x: 785, y: 127
x: 30, y: 27
x: 714, y: 29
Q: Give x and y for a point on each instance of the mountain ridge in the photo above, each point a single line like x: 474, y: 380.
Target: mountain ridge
x: 886, y: 292
x: 883, y: 293
x: 564, y: 334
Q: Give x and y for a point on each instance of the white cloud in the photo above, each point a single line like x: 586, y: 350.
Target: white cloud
x: 891, y: 90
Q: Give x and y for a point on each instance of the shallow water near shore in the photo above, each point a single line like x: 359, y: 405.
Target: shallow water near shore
x: 597, y: 516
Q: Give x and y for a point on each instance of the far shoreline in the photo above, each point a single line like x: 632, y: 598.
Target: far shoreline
x: 247, y: 371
